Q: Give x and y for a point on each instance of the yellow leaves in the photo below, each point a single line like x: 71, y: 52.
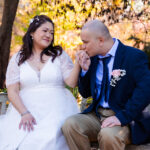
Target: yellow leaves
x: 93, y: 13
x: 105, y: 4
x: 70, y: 15
x: 70, y: 38
x: 137, y: 5
x: 117, y: 2
x: 98, y: 5
x: 88, y: 5
x: 83, y: 1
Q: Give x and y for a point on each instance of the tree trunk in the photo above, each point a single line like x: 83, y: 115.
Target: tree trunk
x: 9, y: 13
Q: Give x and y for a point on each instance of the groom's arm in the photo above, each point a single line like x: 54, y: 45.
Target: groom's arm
x: 84, y: 84
x: 141, y: 94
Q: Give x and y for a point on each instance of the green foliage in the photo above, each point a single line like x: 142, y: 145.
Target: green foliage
x: 3, y: 90
x: 74, y: 91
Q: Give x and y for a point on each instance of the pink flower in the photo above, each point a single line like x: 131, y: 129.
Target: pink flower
x: 116, y: 76
x: 116, y: 73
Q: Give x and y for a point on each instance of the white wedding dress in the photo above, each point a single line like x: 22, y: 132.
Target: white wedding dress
x: 45, y: 96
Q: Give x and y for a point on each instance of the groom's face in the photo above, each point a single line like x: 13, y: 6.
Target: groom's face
x: 90, y: 43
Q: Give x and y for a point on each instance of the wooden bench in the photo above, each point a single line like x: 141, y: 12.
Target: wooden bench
x: 94, y: 145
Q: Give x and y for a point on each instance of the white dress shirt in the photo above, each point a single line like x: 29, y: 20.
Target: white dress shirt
x: 99, y: 72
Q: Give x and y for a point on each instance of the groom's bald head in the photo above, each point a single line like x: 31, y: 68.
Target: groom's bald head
x: 97, y: 28
x: 96, y: 38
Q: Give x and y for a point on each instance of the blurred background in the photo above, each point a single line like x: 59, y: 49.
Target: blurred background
x: 128, y: 20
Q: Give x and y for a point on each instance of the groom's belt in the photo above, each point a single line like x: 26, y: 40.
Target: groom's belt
x: 103, y: 107
x: 105, y: 111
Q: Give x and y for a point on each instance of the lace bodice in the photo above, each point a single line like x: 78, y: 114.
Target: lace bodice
x: 52, y: 73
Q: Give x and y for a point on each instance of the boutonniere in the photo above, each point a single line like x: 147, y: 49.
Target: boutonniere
x: 116, y: 76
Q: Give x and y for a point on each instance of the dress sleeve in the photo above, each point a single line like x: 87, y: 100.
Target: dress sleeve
x: 66, y: 64
x: 13, y: 71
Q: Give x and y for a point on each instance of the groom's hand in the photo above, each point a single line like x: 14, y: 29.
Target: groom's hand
x: 83, y: 59
x: 110, y: 122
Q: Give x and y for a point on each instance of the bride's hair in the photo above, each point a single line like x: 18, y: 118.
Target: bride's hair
x: 26, y: 49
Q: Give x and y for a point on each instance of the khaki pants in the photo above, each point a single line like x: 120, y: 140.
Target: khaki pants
x: 81, y: 129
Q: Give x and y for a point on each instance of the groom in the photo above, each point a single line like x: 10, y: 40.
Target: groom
x: 118, y: 79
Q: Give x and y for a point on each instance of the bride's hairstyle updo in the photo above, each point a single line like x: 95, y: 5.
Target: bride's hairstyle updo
x: 26, y: 49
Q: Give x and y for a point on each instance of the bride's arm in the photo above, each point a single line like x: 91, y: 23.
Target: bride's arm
x: 72, y: 80
x: 27, y: 120
x: 13, y: 87
x: 82, y: 61
x: 12, y: 84
x: 13, y: 95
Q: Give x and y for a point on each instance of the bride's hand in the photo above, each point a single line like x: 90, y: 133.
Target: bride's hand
x: 83, y: 59
x: 27, y: 122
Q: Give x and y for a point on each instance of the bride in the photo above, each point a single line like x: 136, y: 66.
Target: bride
x: 40, y: 103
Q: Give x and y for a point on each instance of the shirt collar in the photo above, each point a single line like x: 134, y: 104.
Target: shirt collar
x: 113, y: 50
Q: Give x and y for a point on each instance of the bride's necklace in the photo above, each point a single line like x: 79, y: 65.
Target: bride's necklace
x: 36, y: 58
x: 36, y: 62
